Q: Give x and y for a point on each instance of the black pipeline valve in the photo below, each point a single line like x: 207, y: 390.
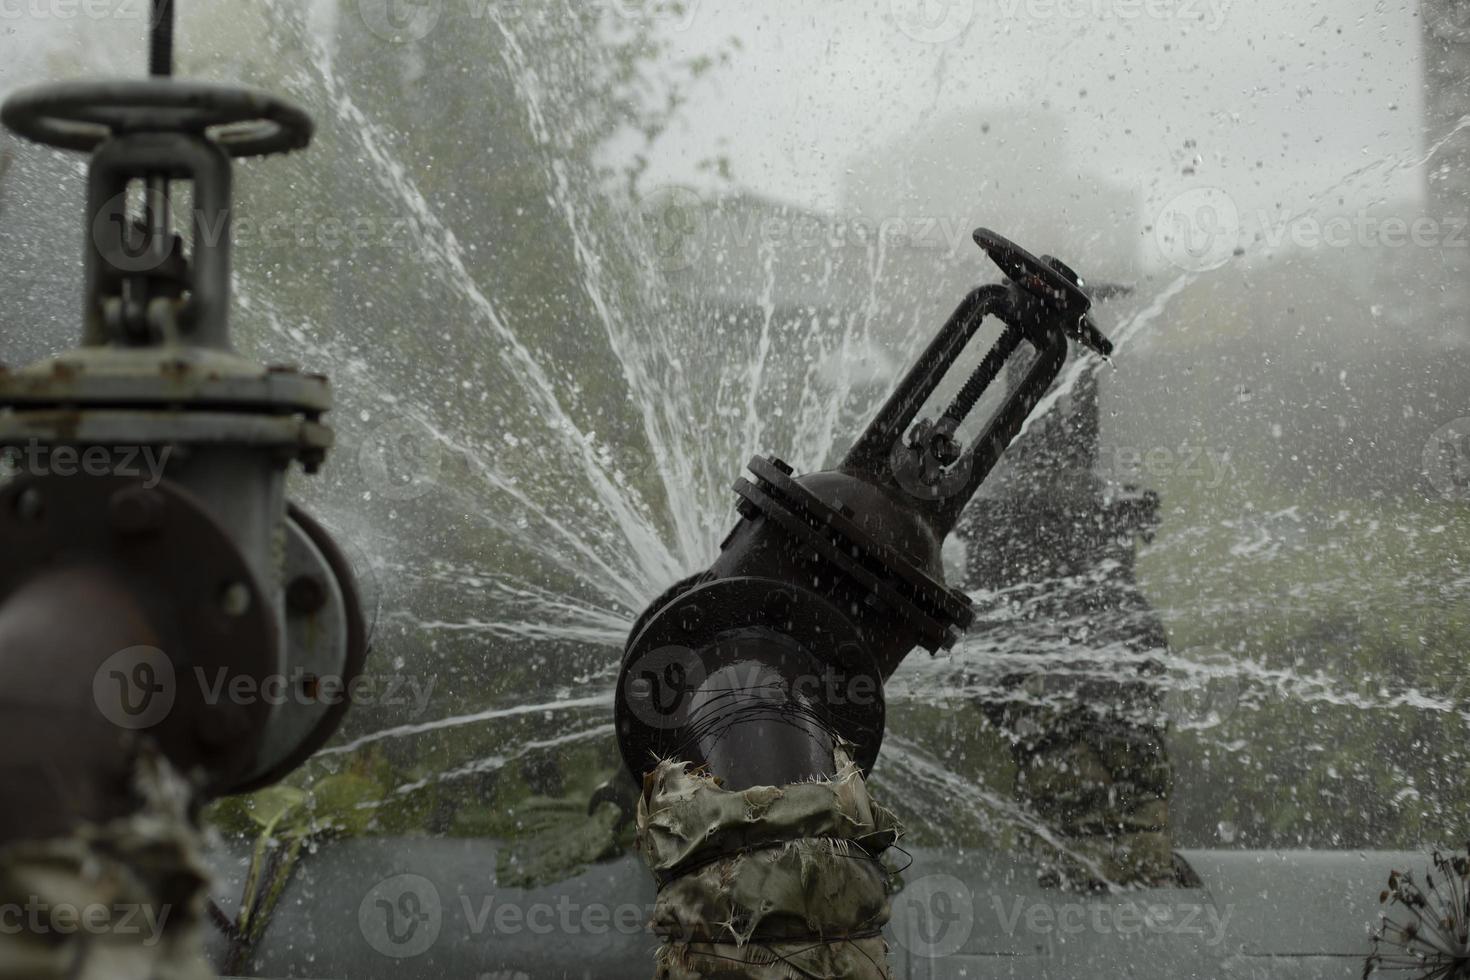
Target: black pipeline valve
x: 757, y: 666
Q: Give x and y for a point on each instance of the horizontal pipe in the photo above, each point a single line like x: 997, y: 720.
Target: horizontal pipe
x: 63, y: 762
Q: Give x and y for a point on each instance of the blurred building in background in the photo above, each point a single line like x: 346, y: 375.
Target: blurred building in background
x: 1012, y: 170
x: 1446, y: 40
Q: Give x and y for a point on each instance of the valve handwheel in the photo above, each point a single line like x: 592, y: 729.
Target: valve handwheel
x: 82, y: 115
x: 1050, y: 281
x: 1036, y: 276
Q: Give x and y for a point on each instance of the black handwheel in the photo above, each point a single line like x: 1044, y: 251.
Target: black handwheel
x: 1049, y: 280
x: 1034, y: 275
x: 81, y: 115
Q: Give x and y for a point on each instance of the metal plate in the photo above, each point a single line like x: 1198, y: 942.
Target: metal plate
x: 150, y: 376
x: 328, y: 643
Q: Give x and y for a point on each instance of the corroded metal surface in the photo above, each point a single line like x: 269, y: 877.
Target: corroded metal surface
x: 174, y: 375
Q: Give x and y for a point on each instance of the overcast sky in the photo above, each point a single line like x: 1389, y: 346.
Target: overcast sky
x: 1282, y: 102
x: 1289, y: 105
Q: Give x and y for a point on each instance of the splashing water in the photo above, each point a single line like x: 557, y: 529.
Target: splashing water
x: 514, y: 521
x: 529, y: 479
x: 537, y: 434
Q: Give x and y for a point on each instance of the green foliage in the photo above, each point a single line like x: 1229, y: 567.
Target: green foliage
x: 1348, y: 719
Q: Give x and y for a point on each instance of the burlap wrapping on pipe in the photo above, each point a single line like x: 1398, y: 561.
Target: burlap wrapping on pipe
x: 120, y: 902
x: 769, y: 882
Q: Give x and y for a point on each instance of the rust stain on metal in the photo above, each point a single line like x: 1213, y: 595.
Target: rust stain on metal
x: 65, y: 425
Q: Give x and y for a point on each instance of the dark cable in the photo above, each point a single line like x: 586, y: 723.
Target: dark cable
x: 161, y: 40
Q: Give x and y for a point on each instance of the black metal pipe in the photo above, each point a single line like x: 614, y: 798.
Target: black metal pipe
x: 837, y: 574
x: 63, y: 763
x: 755, y: 727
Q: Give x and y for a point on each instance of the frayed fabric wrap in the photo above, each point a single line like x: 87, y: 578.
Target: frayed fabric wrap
x: 769, y: 882
x: 118, y: 902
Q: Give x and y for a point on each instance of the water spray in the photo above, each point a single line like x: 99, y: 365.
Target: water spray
x: 756, y: 668
x: 750, y: 704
